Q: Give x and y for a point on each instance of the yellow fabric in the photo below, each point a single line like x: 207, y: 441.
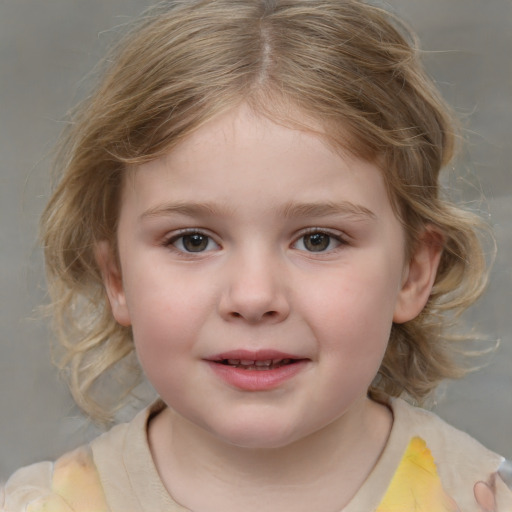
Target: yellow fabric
x: 75, y: 486
x: 416, y: 486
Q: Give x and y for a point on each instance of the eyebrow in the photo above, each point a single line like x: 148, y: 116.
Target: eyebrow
x: 189, y: 209
x: 290, y: 210
x: 345, y: 208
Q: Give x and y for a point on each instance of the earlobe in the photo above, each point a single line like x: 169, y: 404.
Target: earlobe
x: 113, y: 282
x: 420, y: 276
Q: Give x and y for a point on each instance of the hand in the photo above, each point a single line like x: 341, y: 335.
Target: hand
x: 485, y: 496
x: 496, y: 494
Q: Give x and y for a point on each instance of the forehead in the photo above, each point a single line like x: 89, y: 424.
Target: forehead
x: 242, y: 155
x: 237, y: 126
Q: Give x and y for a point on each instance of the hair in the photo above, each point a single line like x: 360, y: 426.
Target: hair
x: 349, y: 67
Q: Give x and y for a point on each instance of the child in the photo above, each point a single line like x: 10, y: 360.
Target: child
x: 250, y: 202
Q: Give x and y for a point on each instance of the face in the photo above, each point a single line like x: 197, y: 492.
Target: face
x: 261, y: 272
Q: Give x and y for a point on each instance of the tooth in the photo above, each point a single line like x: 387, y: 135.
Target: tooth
x: 247, y: 362
x: 263, y: 363
x: 234, y: 361
x: 276, y: 361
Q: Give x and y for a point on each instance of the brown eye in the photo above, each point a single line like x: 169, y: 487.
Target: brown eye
x: 193, y: 243
x: 316, y: 242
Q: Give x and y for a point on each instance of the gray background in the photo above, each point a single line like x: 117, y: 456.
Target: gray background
x: 47, y: 47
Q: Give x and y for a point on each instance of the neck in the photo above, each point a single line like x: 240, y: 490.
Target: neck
x: 331, y: 464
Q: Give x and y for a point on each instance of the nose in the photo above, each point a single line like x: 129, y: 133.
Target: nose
x: 254, y: 290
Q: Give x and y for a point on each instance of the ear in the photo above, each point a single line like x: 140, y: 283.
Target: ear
x: 419, y: 276
x: 112, y: 281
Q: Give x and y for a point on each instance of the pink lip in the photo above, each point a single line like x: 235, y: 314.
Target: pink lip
x: 256, y: 380
x: 254, y: 355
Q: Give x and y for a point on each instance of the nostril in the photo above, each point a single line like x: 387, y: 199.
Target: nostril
x: 267, y: 314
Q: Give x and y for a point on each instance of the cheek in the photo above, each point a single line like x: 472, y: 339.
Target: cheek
x: 166, y: 316
x: 351, y: 318
x: 350, y: 302
x: 157, y: 295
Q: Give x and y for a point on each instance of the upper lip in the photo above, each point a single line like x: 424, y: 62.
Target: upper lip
x: 254, y: 355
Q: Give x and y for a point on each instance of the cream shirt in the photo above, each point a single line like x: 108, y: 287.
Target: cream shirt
x: 130, y: 481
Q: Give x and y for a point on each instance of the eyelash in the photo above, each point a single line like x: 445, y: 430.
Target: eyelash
x: 339, y: 239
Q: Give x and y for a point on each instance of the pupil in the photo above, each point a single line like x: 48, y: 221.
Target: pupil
x: 195, y: 243
x: 317, y: 242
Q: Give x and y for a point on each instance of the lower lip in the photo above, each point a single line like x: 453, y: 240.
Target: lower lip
x: 256, y: 380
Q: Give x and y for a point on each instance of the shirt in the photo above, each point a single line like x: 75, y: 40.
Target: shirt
x: 427, y: 465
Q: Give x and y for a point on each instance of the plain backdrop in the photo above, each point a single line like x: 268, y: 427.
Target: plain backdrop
x: 46, y: 50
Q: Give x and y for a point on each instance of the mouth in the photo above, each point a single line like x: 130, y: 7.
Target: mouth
x: 258, y: 364
x: 260, y: 370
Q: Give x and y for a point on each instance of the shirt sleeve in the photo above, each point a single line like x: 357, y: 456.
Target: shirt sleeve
x: 71, y: 484
x: 26, y: 486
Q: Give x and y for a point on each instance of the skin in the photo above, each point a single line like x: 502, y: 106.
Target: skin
x: 258, y: 197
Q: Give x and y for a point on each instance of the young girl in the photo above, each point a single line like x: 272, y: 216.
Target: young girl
x: 250, y: 203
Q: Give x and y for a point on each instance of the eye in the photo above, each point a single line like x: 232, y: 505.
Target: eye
x: 318, y: 241
x: 193, y: 242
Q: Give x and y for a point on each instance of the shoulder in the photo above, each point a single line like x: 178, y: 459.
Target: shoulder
x: 448, y: 444
x: 25, y: 486
x: 70, y: 484
x: 460, y: 460
x: 108, y: 474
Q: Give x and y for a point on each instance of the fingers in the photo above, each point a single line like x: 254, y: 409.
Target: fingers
x: 484, y: 495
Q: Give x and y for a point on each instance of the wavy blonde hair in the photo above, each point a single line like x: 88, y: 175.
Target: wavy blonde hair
x: 347, y: 65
